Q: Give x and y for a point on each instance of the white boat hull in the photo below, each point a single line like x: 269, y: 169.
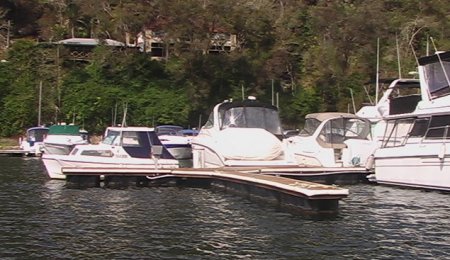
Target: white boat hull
x: 55, y: 163
x: 418, y: 166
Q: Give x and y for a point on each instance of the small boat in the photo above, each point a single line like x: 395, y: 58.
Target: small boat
x: 33, y: 143
x: 176, y: 142
x: 332, y: 140
x: 244, y: 133
x: 62, y: 138
x: 415, y: 150
x: 122, y: 148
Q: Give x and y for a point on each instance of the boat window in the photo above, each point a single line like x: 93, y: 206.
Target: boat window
x: 253, y: 117
x: 436, y: 79
x: 37, y: 135
x: 210, y: 122
x: 397, y: 132
x: 333, y: 131
x: 311, y: 124
x: 336, y: 131
x: 356, y: 128
x: 439, y: 127
x: 420, y: 127
x: 130, y: 139
x: 112, y: 138
x: 169, y: 130
x: 102, y: 153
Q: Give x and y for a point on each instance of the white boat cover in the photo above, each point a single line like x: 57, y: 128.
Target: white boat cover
x: 248, y: 144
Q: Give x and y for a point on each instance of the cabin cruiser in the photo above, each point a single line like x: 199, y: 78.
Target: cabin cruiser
x: 122, y: 147
x: 33, y: 143
x: 240, y: 134
x: 415, y: 150
x: 401, y: 97
x: 332, y: 140
x: 62, y: 138
x: 178, y: 144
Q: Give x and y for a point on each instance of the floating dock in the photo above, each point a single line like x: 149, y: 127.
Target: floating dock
x: 14, y: 153
x: 324, y: 175
x: 285, y: 192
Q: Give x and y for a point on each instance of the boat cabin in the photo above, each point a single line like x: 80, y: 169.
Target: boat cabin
x: 138, y: 142
x: 36, y: 134
x: 248, y: 113
x: 333, y: 129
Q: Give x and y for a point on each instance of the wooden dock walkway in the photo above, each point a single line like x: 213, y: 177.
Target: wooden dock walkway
x: 280, y: 191
x: 14, y: 153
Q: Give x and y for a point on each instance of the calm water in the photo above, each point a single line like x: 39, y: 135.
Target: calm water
x: 41, y: 219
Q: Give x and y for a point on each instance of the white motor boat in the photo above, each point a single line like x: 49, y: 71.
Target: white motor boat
x: 240, y: 134
x: 401, y: 97
x: 62, y: 138
x: 332, y: 140
x: 175, y: 141
x: 34, y: 140
x: 415, y: 150
x: 122, y: 147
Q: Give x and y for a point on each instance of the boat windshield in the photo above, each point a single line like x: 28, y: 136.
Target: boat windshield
x: 252, y: 117
x: 311, y: 124
x: 436, y: 78
x: 112, y: 138
x: 340, y: 129
x: 37, y: 135
x: 169, y: 130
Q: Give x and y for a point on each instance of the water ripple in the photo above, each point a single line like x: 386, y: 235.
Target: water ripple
x: 41, y: 219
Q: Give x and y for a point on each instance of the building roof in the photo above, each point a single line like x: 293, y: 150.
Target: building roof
x: 90, y: 42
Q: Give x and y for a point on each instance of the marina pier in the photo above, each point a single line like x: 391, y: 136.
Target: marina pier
x: 280, y: 191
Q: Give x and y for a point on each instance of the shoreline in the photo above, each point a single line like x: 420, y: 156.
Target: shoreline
x: 9, y: 143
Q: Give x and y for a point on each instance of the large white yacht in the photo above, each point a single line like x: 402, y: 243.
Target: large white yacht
x: 240, y: 134
x: 122, y: 148
x: 415, y: 150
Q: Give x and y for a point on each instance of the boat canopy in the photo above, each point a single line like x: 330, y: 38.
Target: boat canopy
x: 250, y: 114
x: 37, y: 134
x: 436, y: 72
x: 169, y: 130
x: 137, y: 141
x: 64, y: 130
x: 335, y: 128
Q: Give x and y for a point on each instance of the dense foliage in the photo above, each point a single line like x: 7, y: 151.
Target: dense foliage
x: 314, y: 54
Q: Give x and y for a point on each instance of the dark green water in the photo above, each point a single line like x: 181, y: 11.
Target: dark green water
x: 41, y: 219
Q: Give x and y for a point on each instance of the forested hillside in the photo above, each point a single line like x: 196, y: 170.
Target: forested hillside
x: 313, y: 54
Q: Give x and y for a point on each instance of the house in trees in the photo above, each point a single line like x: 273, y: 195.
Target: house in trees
x: 160, y: 46
x: 81, y: 48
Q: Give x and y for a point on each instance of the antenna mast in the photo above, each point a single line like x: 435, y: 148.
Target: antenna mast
x: 378, y: 71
